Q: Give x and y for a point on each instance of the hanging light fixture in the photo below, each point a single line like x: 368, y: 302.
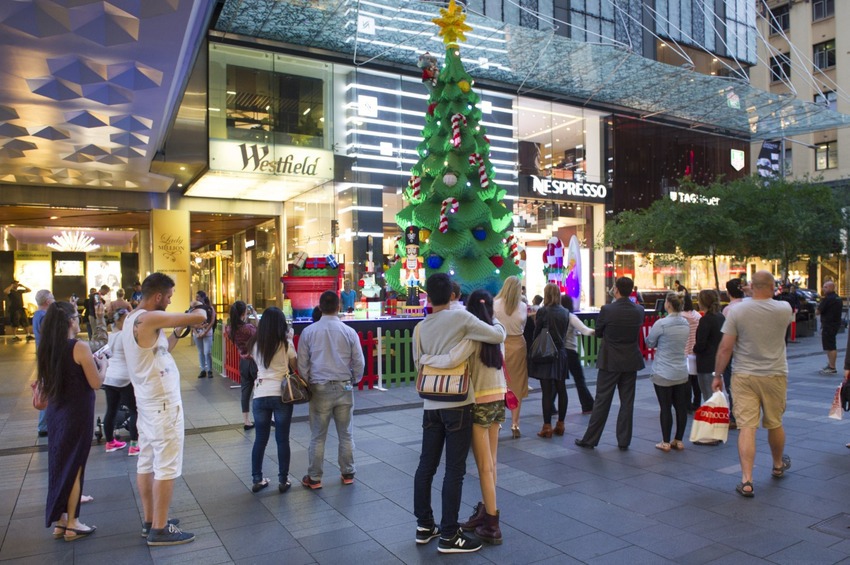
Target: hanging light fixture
x: 73, y: 241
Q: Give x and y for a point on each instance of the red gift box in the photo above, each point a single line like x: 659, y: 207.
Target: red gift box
x: 316, y: 263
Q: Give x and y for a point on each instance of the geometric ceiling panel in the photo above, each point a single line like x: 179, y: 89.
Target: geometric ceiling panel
x: 52, y: 88
x: 134, y: 76
x: 78, y: 158
x: 129, y: 139
x: 78, y: 70
x: 85, y: 119
x: 52, y: 133
x: 130, y: 123
x: 92, y: 150
x: 10, y: 153
x: 10, y: 130
x: 40, y: 19
x: 105, y: 24
x: 106, y: 93
x: 20, y: 145
x: 147, y: 8
x: 8, y: 113
x: 113, y: 160
x: 38, y: 171
x: 129, y: 152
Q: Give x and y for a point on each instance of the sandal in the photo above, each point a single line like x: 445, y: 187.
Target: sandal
x: 257, y: 487
x: 78, y: 534
x: 745, y: 493
x: 677, y: 444
x: 779, y: 472
x: 86, y: 498
x: 663, y: 446
x: 59, y: 531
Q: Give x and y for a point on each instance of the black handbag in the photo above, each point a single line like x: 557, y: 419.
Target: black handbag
x: 845, y: 396
x: 543, y: 350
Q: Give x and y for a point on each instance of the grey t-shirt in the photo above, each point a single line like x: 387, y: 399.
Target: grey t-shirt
x: 760, y: 326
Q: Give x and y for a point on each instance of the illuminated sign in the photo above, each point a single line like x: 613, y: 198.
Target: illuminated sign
x: 568, y: 189
x: 270, y: 159
x: 691, y: 198
x: 737, y: 159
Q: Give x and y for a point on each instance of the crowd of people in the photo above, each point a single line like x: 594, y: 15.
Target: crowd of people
x: 492, y: 334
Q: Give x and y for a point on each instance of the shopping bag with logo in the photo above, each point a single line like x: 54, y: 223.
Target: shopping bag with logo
x: 711, y: 420
x: 836, y: 412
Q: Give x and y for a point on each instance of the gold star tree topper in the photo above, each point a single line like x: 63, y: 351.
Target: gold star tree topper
x: 452, y: 22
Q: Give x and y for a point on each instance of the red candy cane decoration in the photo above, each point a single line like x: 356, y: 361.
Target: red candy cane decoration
x: 444, y: 220
x: 474, y: 159
x: 457, y: 119
x: 416, y: 184
x: 513, y: 248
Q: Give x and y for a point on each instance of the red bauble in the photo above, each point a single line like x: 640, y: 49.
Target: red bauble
x: 497, y: 260
x: 431, y: 108
x: 361, y: 283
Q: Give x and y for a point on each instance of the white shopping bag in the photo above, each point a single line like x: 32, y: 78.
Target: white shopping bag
x: 711, y: 420
x: 836, y: 412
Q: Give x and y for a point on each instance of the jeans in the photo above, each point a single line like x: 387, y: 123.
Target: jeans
x: 115, y: 397
x: 205, y: 352
x: 264, y: 408
x: 670, y: 398
x: 247, y: 376
x: 331, y: 400
x: 574, y: 366
x: 451, y: 427
x: 42, y: 420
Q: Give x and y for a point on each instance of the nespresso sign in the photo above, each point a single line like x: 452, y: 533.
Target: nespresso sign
x: 565, y: 189
x: 269, y: 159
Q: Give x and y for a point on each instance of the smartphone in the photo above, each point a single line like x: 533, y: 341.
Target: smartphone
x: 104, y: 351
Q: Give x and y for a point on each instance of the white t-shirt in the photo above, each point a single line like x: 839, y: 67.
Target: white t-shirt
x: 153, y: 370
x: 760, y: 326
x: 515, y: 323
x: 116, y: 373
x: 268, y: 380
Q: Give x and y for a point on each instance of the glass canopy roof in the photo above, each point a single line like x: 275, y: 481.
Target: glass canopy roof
x: 599, y: 75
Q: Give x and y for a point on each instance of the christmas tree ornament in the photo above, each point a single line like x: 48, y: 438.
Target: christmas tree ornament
x: 452, y: 205
x: 431, y: 108
x: 430, y: 70
x: 435, y: 262
x: 449, y: 179
x: 464, y: 86
x: 457, y: 119
x: 476, y: 159
x: 424, y: 234
x: 497, y: 260
x: 452, y: 23
x: 415, y: 184
x: 479, y: 233
x: 513, y: 248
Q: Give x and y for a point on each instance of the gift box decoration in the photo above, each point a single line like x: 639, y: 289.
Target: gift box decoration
x: 299, y: 259
x: 316, y: 263
x: 332, y: 262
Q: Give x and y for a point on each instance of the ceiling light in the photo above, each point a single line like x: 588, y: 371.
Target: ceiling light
x: 307, y: 111
x: 54, y: 217
x: 73, y: 241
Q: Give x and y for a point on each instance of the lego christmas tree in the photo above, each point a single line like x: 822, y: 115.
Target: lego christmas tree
x: 453, y: 202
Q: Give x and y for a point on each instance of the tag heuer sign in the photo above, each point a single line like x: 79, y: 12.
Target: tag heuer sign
x: 567, y: 189
x: 270, y: 159
x: 737, y: 159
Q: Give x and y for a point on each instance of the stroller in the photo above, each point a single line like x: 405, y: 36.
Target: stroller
x: 122, y: 422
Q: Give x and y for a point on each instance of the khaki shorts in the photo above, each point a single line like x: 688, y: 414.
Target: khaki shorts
x: 755, y: 396
x: 485, y: 414
x: 160, y: 441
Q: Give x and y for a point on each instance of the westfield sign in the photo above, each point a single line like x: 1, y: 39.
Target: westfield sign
x: 270, y: 159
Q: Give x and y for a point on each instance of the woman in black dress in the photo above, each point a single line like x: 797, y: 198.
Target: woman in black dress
x: 553, y: 376
x: 68, y: 375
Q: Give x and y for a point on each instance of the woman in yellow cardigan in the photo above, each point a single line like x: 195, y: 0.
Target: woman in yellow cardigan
x: 488, y: 386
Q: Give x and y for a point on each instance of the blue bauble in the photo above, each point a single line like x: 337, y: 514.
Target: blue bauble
x: 479, y: 233
x: 435, y: 262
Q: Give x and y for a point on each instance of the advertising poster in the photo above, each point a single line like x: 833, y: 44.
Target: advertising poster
x: 170, y: 252
x: 104, y: 269
x: 32, y: 269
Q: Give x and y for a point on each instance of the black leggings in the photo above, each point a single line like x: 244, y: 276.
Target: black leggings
x: 115, y: 397
x: 550, y: 388
x: 670, y: 397
x: 247, y: 376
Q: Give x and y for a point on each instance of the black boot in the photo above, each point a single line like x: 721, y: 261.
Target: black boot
x: 489, y: 531
x: 203, y: 375
x: 476, y: 519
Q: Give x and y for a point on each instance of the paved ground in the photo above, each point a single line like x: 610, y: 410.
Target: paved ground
x: 559, y: 504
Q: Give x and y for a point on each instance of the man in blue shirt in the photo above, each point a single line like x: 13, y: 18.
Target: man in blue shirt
x: 43, y: 299
x: 330, y: 359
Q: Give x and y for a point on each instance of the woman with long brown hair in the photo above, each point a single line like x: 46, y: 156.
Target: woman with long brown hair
x: 68, y: 376
x: 513, y: 314
x: 553, y: 376
x: 240, y: 333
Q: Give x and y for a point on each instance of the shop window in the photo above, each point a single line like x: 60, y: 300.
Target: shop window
x: 779, y: 19
x: 824, y: 55
x: 828, y: 99
x: 826, y: 156
x: 822, y: 9
x: 780, y: 68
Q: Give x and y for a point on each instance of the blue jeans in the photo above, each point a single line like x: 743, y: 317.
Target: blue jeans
x: 451, y: 427
x: 331, y: 400
x: 264, y: 408
x: 205, y: 351
x: 42, y: 420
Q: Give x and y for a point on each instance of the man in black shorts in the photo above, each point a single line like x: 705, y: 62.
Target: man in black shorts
x: 829, y: 311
